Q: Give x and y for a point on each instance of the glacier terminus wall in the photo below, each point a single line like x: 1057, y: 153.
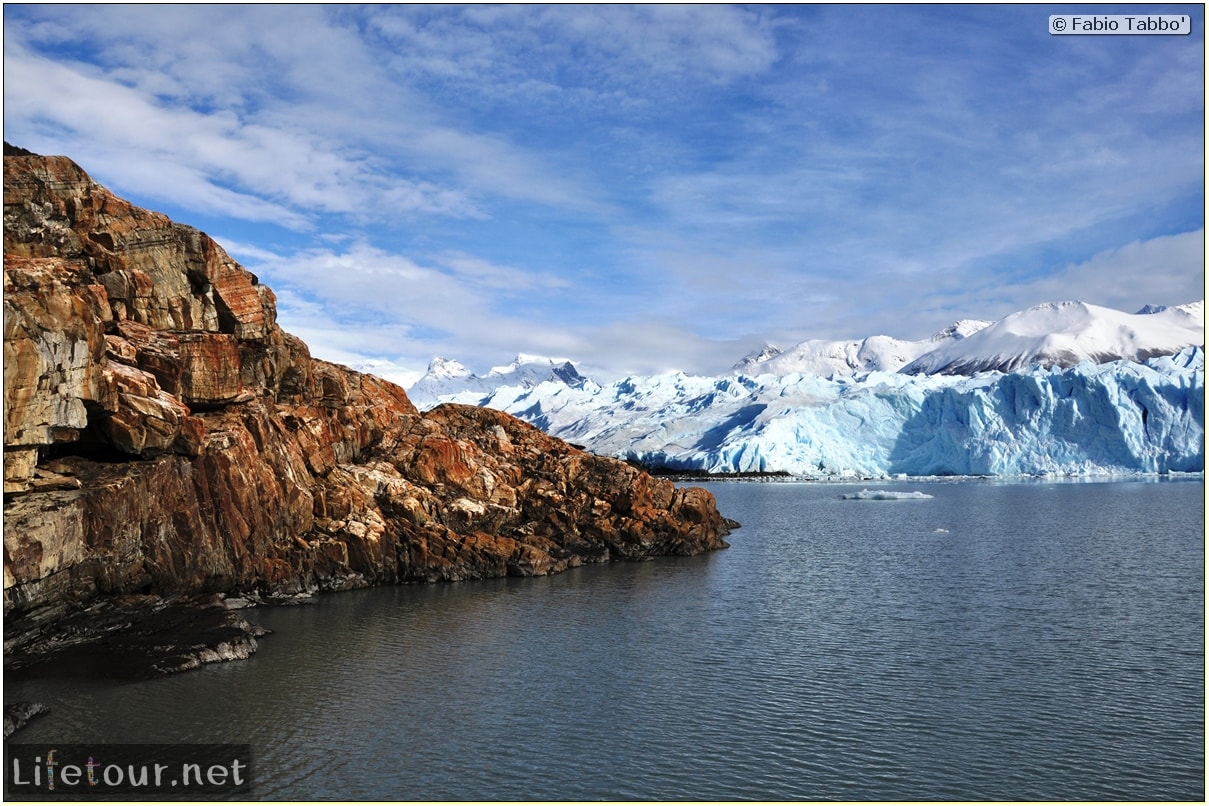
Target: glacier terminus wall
x: 1120, y: 417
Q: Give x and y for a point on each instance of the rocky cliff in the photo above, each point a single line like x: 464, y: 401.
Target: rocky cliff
x: 163, y: 437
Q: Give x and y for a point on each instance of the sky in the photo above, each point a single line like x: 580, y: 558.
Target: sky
x: 638, y: 188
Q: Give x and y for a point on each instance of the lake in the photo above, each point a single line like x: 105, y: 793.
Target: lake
x: 1019, y: 641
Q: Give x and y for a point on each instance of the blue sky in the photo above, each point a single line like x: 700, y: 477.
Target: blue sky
x: 640, y: 188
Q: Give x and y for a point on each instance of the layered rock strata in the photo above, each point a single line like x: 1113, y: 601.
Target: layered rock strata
x: 164, y: 437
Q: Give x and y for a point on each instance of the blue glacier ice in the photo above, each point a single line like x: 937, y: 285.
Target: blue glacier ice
x: 1121, y: 417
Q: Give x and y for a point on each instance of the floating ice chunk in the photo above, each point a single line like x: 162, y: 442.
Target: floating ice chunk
x: 884, y: 495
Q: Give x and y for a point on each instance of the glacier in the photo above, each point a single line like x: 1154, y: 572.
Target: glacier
x: 1119, y: 417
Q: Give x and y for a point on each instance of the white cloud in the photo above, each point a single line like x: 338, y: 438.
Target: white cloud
x: 715, y: 42
x: 366, y: 301
x: 245, y: 252
x: 619, y: 44
x: 310, y: 129
x: 486, y: 274
x: 214, y: 162
x: 1168, y: 270
x: 643, y: 184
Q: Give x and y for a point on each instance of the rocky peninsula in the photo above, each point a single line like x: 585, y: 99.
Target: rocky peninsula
x: 171, y: 454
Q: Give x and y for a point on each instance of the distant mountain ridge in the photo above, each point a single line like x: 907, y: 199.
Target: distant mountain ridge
x: 1064, y: 334
x: 1060, y: 334
x: 828, y: 359
x: 1062, y: 388
x: 1120, y: 417
x: 446, y: 376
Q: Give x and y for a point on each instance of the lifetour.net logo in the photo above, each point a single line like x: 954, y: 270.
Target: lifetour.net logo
x: 98, y: 770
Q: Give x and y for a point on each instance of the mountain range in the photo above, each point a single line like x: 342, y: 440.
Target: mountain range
x: 1051, y: 334
x: 832, y: 358
x: 1062, y: 388
x: 446, y: 376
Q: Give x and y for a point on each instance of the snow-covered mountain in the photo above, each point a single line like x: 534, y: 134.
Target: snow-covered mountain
x: 1062, y: 388
x: 446, y: 377
x: 837, y: 358
x: 1114, y: 418
x: 1063, y: 334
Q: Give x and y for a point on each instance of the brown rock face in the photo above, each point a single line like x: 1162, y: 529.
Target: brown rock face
x: 162, y: 435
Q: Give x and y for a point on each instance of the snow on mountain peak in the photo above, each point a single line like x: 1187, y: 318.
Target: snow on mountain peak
x: 750, y: 363
x: 446, y: 368
x: 840, y: 409
x: 1194, y: 310
x: 960, y: 329
x: 1064, y: 334
x: 830, y: 359
x: 525, y: 361
x: 1119, y: 417
x: 447, y: 377
x: 1050, y: 334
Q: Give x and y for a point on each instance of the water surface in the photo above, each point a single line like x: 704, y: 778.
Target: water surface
x: 1028, y: 641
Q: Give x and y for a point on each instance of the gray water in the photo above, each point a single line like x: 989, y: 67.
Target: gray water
x: 1031, y: 641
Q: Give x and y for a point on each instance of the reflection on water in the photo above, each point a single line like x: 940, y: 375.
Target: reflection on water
x: 997, y: 641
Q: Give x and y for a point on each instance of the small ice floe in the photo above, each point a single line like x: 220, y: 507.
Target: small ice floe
x: 883, y: 495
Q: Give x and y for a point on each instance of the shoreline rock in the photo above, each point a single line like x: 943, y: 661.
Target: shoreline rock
x: 134, y: 637
x: 18, y: 714
x: 165, y: 440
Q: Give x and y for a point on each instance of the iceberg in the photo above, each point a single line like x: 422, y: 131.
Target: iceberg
x: 884, y: 495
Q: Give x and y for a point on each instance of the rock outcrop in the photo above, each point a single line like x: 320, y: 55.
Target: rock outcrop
x: 164, y: 437
x: 17, y: 714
